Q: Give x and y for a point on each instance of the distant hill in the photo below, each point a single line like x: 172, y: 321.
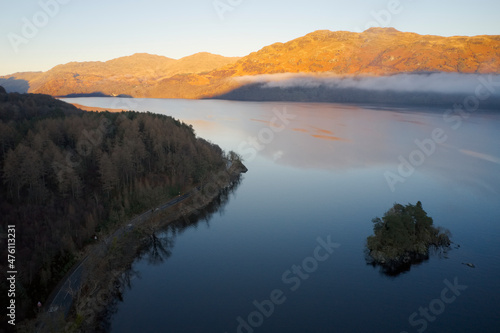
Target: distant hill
x: 132, y: 75
x: 377, y: 51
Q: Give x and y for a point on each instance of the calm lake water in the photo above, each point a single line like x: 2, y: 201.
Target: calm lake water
x: 285, y: 253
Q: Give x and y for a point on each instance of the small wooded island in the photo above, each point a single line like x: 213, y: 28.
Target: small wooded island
x: 402, y: 237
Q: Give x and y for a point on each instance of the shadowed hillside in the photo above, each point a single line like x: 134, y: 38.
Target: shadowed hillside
x: 435, y: 90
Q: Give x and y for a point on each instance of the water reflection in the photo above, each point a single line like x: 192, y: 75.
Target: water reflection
x: 300, y: 187
x: 338, y: 137
x: 392, y: 271
x: 159, y: 246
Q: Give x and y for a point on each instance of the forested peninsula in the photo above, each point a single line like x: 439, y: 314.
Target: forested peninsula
x: 69, y: 175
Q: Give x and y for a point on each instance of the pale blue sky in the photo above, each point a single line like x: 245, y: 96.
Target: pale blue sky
x: 104, y: 29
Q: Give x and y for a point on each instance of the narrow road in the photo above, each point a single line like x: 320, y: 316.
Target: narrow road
x: 61, y: 298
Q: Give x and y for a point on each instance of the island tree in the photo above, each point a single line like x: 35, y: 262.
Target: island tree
x: 404, y: 236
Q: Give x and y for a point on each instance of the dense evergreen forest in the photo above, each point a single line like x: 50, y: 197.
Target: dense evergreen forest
x: 68, y: 175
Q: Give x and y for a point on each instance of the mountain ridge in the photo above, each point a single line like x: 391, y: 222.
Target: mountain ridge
x: 124, y: 75
x: 376, y: 51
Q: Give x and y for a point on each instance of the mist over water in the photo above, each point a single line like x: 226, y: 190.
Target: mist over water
x: 445, y: 83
